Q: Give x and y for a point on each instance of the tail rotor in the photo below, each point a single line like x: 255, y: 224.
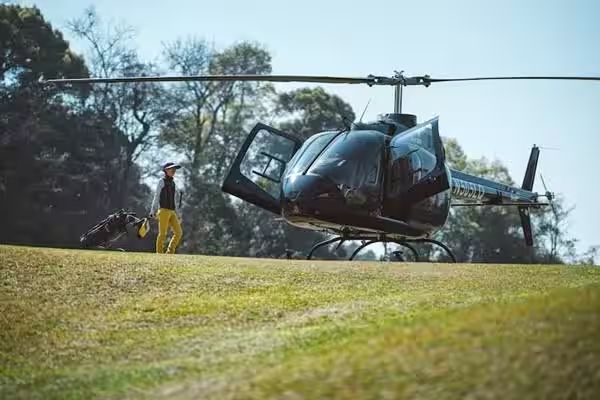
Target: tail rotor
x: 550, y: 196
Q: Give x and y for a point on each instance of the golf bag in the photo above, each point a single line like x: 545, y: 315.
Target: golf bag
x: 112, y: 228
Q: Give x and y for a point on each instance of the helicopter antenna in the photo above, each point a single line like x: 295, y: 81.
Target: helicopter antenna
x: 364, y: 111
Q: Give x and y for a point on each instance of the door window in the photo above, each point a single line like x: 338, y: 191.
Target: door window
x: 414, y: 156
x: 255, y: 175
x: 266, y: 160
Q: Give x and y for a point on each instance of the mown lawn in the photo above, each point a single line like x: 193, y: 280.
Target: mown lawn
x: 81, y: 324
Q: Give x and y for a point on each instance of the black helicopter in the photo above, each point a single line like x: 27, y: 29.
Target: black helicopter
x: 384, y: 181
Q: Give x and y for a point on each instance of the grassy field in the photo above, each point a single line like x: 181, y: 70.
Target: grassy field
x: 77, y: 324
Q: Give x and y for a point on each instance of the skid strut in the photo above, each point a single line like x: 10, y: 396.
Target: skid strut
x: 440, y: 244
x: 381, y: 239
x: 323, y: 243
x: 370, y: 242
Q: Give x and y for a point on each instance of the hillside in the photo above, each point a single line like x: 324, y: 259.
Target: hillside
x: 81, y: 324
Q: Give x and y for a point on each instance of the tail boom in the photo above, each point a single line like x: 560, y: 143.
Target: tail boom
x: 480, y: 192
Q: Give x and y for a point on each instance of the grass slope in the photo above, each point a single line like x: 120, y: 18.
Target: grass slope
x: 79, y: 324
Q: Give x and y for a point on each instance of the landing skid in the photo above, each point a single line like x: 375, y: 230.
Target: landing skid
x: 380, y: 239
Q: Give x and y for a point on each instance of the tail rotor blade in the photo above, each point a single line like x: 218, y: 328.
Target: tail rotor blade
x: 550, y: 197
x: 543, y: 182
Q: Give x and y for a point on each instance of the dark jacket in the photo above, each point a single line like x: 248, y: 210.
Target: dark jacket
x: 164, y: 196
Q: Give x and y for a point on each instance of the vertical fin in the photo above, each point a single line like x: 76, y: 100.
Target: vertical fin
x: 528, y: 181
x: 531, y: 167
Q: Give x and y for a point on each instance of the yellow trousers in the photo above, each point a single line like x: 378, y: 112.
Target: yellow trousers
x: 167, y: 218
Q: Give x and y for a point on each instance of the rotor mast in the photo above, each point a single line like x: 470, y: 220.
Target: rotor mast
x: 398, y: 99
x: 405, y: 121
x: 399, y: 82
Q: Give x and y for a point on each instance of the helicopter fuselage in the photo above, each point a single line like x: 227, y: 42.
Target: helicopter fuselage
x: 372, y: 179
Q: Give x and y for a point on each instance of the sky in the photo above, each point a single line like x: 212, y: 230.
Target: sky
x: 458, y: 38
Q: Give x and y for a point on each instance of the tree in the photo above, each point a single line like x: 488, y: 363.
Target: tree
x: 205, y: 108
x: 136, y: 109
x: 58, y: 163
x: 308, y: 111
x: 590, y: 256
x: 208, y: 127
x: 58, y: 170
x: 551, y: 229
x: 30, y: 48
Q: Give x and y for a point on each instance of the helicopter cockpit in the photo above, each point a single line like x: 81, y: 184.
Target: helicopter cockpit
x: 352, y: 159
x: 337, y: 172
x: 304, y: 157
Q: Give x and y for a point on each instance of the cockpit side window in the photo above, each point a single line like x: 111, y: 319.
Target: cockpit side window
x: 420, y: 137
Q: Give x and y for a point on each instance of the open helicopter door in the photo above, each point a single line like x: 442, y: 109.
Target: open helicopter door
x: 417, y: 164
x: 256, y: 173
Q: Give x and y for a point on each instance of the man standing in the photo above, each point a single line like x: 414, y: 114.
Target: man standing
x: 165, y: 210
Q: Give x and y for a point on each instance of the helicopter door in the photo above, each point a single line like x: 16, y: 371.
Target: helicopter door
x: 417, y: 164
x: 257, y: 170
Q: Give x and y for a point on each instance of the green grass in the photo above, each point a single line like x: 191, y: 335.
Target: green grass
x: 77, y: 324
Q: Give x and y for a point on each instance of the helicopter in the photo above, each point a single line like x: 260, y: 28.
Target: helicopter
x: 383, y: 181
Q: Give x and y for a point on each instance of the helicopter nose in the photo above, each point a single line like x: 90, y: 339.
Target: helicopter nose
x: 308, y: 195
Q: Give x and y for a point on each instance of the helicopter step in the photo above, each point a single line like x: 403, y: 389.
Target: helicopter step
x: 369, y: 240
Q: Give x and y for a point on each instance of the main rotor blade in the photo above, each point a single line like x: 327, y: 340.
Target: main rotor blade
x: 370, y: 80
x: 427, y: 80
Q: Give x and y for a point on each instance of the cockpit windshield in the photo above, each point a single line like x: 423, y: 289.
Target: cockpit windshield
x: 352, y: 159
x: 306, y: 155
